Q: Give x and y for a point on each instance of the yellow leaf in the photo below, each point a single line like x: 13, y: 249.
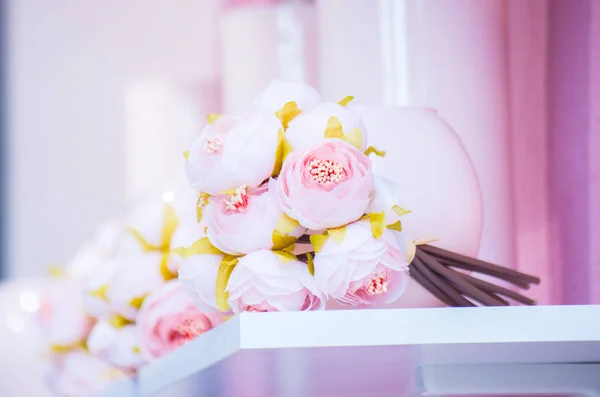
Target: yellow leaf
x: 397, y: 226
x: 225, y: 268
x: 334, y: 128
x: 186, y: 155
x: 202, y: 246
x: 311, y: 263
x: 337, y: 234
x: 199, y: 211
x: 287, y: 113
x: 285, y: 256
x: 283, y: 150
x: 400, y: 211
x: 119, y: 321
x: 211, y: 118
x: 137, y: 302
x: 280, y: 241
x: 166, y: 273
x: 318, y: 241
x: 290, y: 248
x: 56, y: 272
x: 146, y: 246
x: 411, y: 250
x: 100, y: 292
x: 374, y: 150
x: 170, y: 224
x: 346, y: 101
x: 63, y: 349
x: 377, y: 223
x: 354, y: 138
x: 286, y: 225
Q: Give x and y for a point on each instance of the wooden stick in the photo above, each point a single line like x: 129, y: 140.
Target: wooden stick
x: 476, y: 263
x: 458, y: 299
x: 429, y: 286
x: 498, y: 290
x: 462, y: 285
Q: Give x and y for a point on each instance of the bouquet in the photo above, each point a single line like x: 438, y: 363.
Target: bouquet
x: 283, y: 213
x: 295, y: 216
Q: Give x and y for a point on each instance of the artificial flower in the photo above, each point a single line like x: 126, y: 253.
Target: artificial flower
x: 267, y: 281
x: 95, y: 286
x: 248, y: 220
x: 234, y: 151
x: 169, y: 318
x: 63, y: 323
x: 198, y: 274
x: 327, y: 186
x: 80, y: 374
x: 116, y: 343
x: 329, y: 120
x: 287, y: 99
x: 135, y: 277
x: 356, y: 268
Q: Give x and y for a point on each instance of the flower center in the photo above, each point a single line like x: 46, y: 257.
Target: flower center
x: 326, y: 172
x: 213, y: 145
x: 188, y: 330
x: 238, y: 200
x: 377, y: 286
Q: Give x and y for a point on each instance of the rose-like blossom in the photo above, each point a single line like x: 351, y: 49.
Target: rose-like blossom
x: 136, y: 276
x: 327, y: 186
x: 198, y: 275
x: 280, y: 92
x: 95, y: 289
x: 169, y: 318
x: 118, y: 345
x: 61, y: 318
x: 361, y: 270
x: 265, y: 282
x: 308, y: 129
x: 244, y: 221
x: 234, y: 151
x: 80, y: 374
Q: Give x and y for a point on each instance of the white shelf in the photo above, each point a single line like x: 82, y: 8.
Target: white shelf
x: 380, y: 353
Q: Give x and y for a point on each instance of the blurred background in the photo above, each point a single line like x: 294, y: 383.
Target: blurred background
x: 99, y: 98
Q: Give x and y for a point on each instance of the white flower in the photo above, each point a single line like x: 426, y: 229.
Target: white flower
x: 198, y: 275
x: 234, y: 151
x: 263, y: 281
x: 136, y: 276
x: 79, y: 374
x: 61, y: 317
x: 355, y: 268
x: 119, y: 346
x: 95, y: 289
x: 280, y: 92
x: 308, y: 129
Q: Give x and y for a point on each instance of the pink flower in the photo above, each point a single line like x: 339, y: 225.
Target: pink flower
x: 79, y: 374
x: 264, y: 282
x: 327, y: 186
x: 245, y: 220
x: 360, y: 270
x: 170, y: 318
x: 61, y: 318
x: 308, y: 129
x: 234, y: 151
